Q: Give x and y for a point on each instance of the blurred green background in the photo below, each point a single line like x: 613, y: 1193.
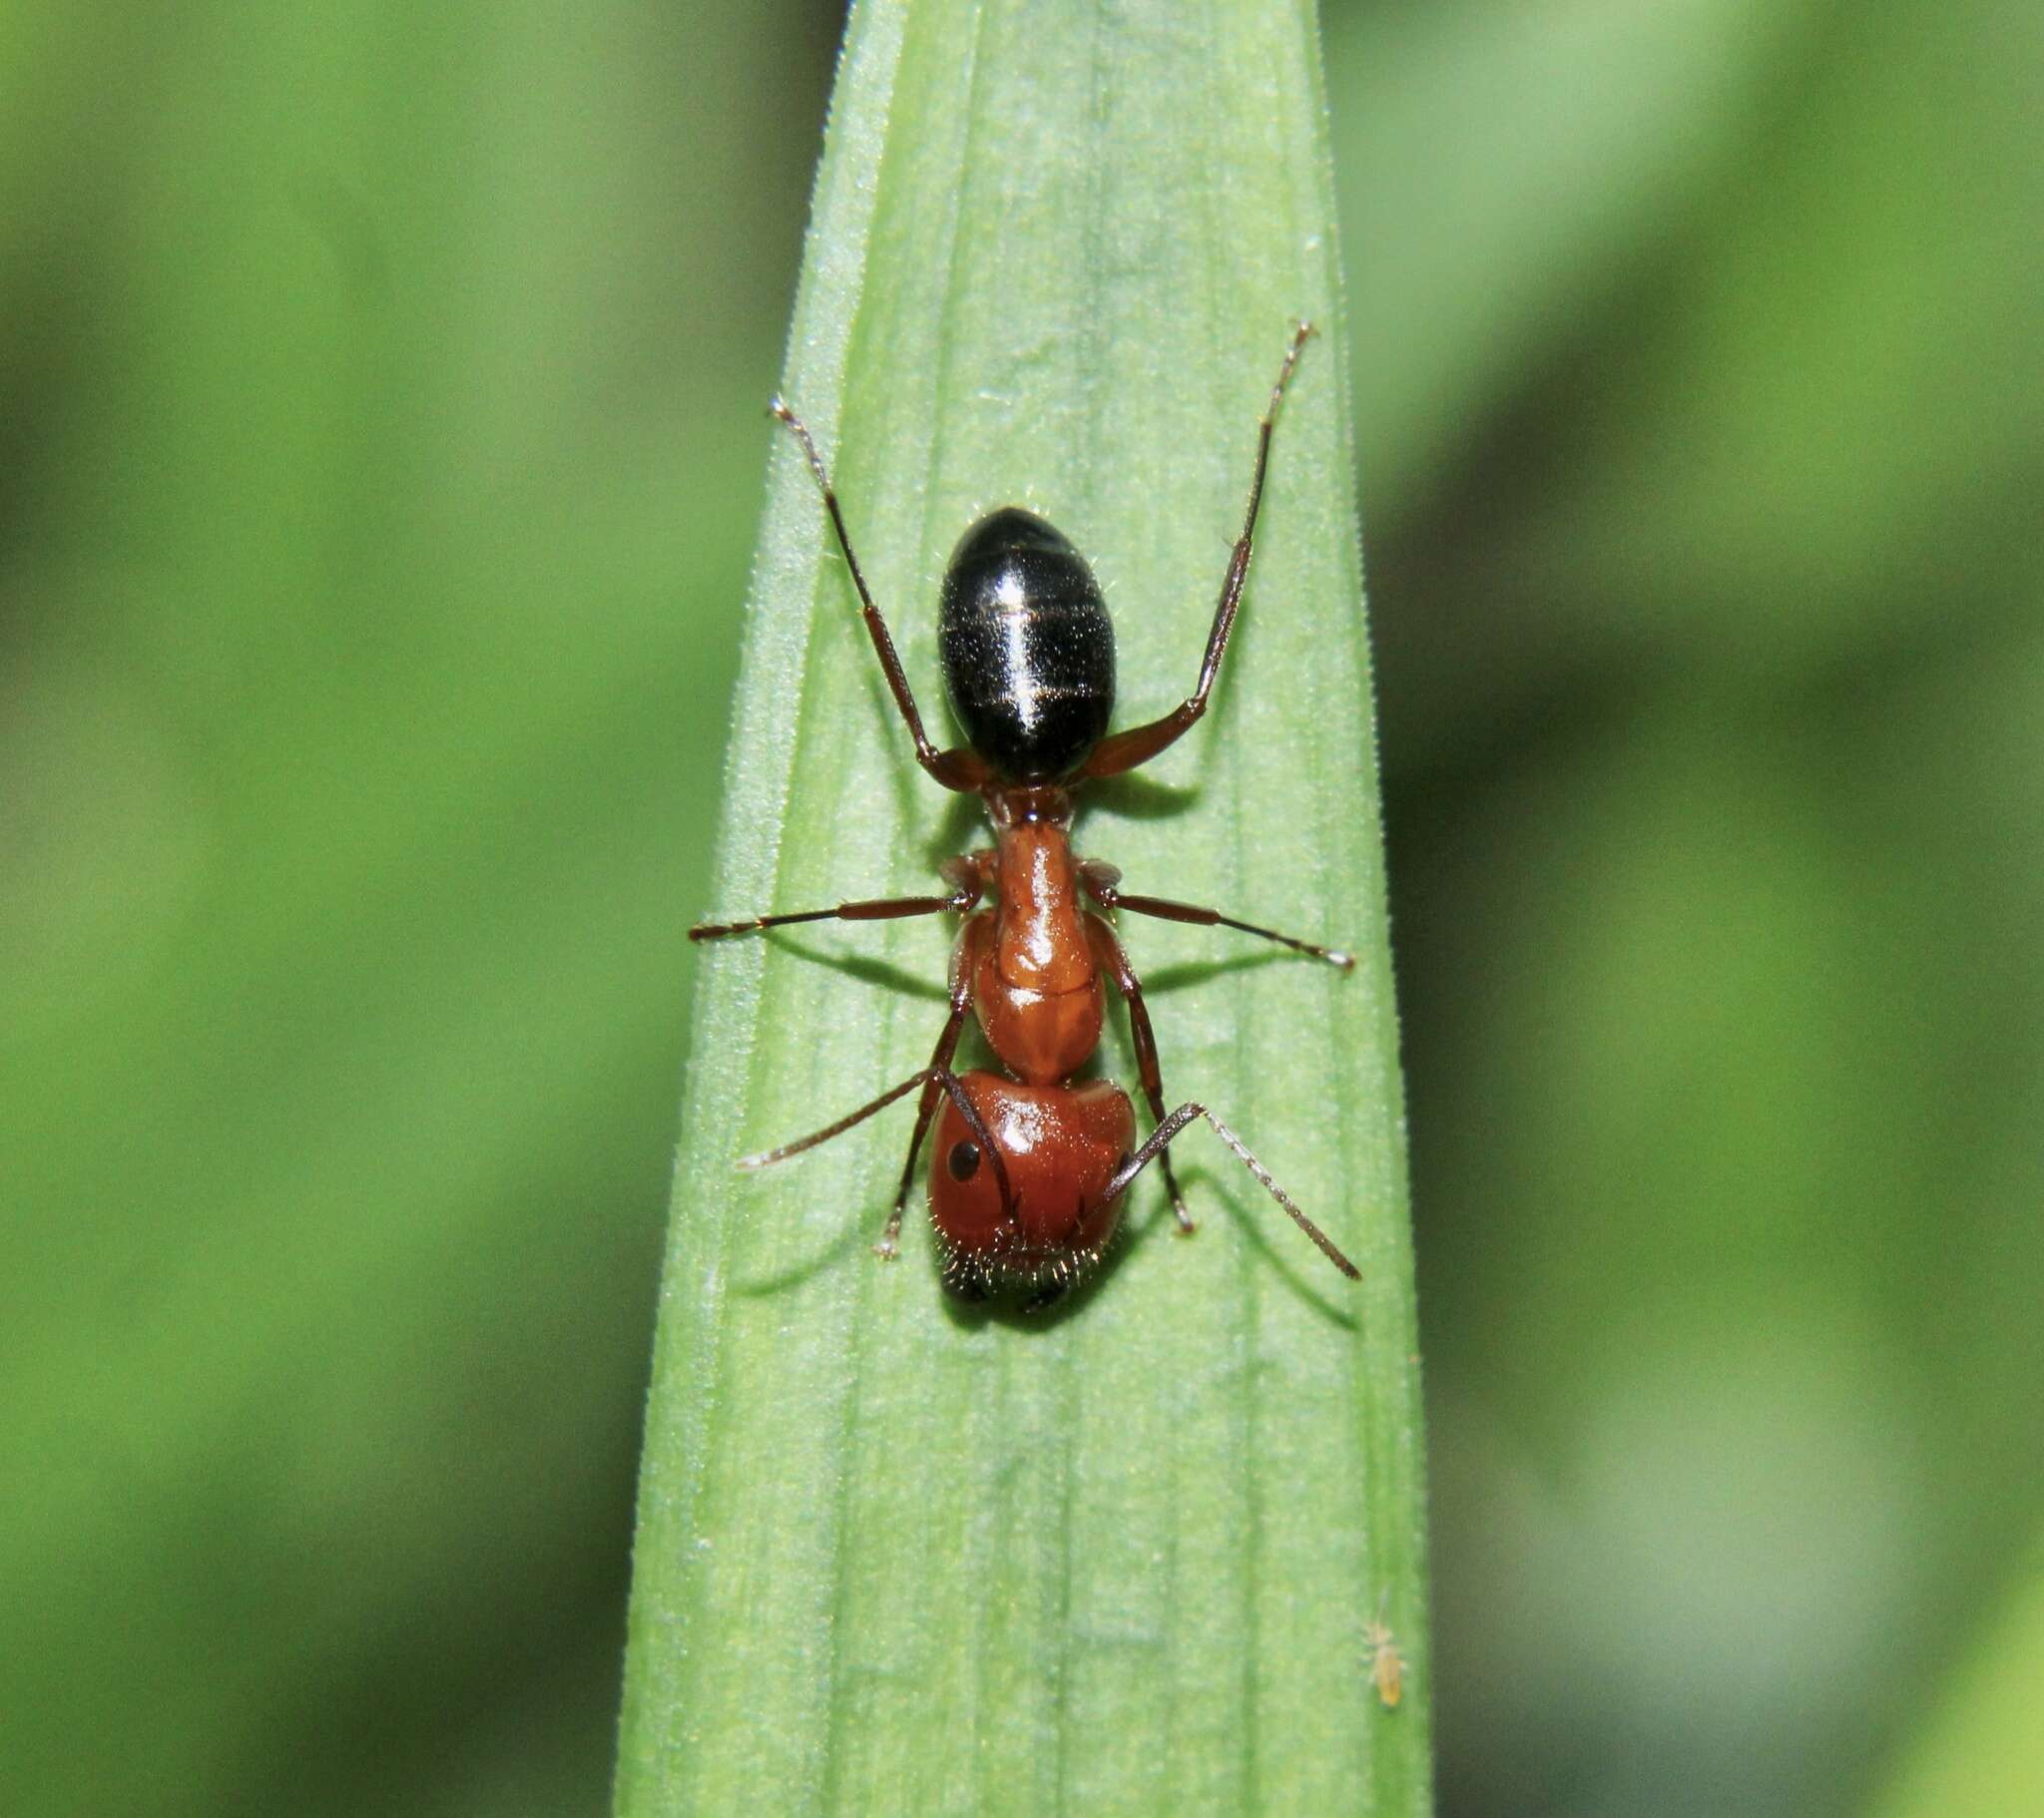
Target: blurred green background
x: 380, y: 447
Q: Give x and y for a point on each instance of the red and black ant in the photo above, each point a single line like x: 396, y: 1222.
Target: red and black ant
x: 1029, y: 1171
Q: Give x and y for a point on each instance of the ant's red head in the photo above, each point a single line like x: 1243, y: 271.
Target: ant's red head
x: 1058, y: 1149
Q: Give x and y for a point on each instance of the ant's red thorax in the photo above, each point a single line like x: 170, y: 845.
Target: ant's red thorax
x: 1035, y: 979
x: 1041, y: 942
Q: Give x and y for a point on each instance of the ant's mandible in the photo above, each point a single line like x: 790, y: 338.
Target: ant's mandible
x: 1029, y: 1170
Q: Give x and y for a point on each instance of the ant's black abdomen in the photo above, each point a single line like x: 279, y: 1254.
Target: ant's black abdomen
x: 1027, y: 646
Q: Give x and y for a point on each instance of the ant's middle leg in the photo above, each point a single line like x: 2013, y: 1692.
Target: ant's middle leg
x: 959, y: 768
x: 1102, y: 884
x: 962, y: 874
x: 1114, y: 961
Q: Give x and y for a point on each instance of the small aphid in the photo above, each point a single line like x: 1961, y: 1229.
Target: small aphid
x: 1386, y: 1664
x: 1030, y: 1166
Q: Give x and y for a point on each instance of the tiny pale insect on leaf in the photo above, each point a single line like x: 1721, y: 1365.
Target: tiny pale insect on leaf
x: 1386, y: 1664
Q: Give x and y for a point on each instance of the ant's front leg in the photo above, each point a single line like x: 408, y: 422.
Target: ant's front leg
x: 937, y: 1082
x: 938, y: 1079
x: 939, y: 1070
x: 1107, y: 952
x: 1160, y: 1139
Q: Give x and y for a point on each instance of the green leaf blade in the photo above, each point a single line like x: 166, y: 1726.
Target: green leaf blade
x: 893, y: 1558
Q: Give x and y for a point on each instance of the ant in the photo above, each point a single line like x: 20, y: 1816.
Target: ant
x: 1029, y: 1170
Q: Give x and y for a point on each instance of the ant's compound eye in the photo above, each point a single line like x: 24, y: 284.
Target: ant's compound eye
x: 963, y: 1160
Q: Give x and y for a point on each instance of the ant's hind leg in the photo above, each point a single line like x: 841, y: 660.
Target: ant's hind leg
x: 1124, y: 750
x: 959, y: 768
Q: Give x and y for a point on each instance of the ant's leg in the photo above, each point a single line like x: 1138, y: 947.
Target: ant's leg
x: 1173, y: 1124
x: 1124, y: 750
x: 963, y: 874
x: 945, y: 1079
x: 1115, y: 962
x: 940, y: 1067
x: 958, y: 768
x: 1102, y: 884
x: 766, y: 1157
x: 884, y: 909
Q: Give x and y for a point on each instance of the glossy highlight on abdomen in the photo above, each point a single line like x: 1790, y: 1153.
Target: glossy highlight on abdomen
x: 1027, y: 646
